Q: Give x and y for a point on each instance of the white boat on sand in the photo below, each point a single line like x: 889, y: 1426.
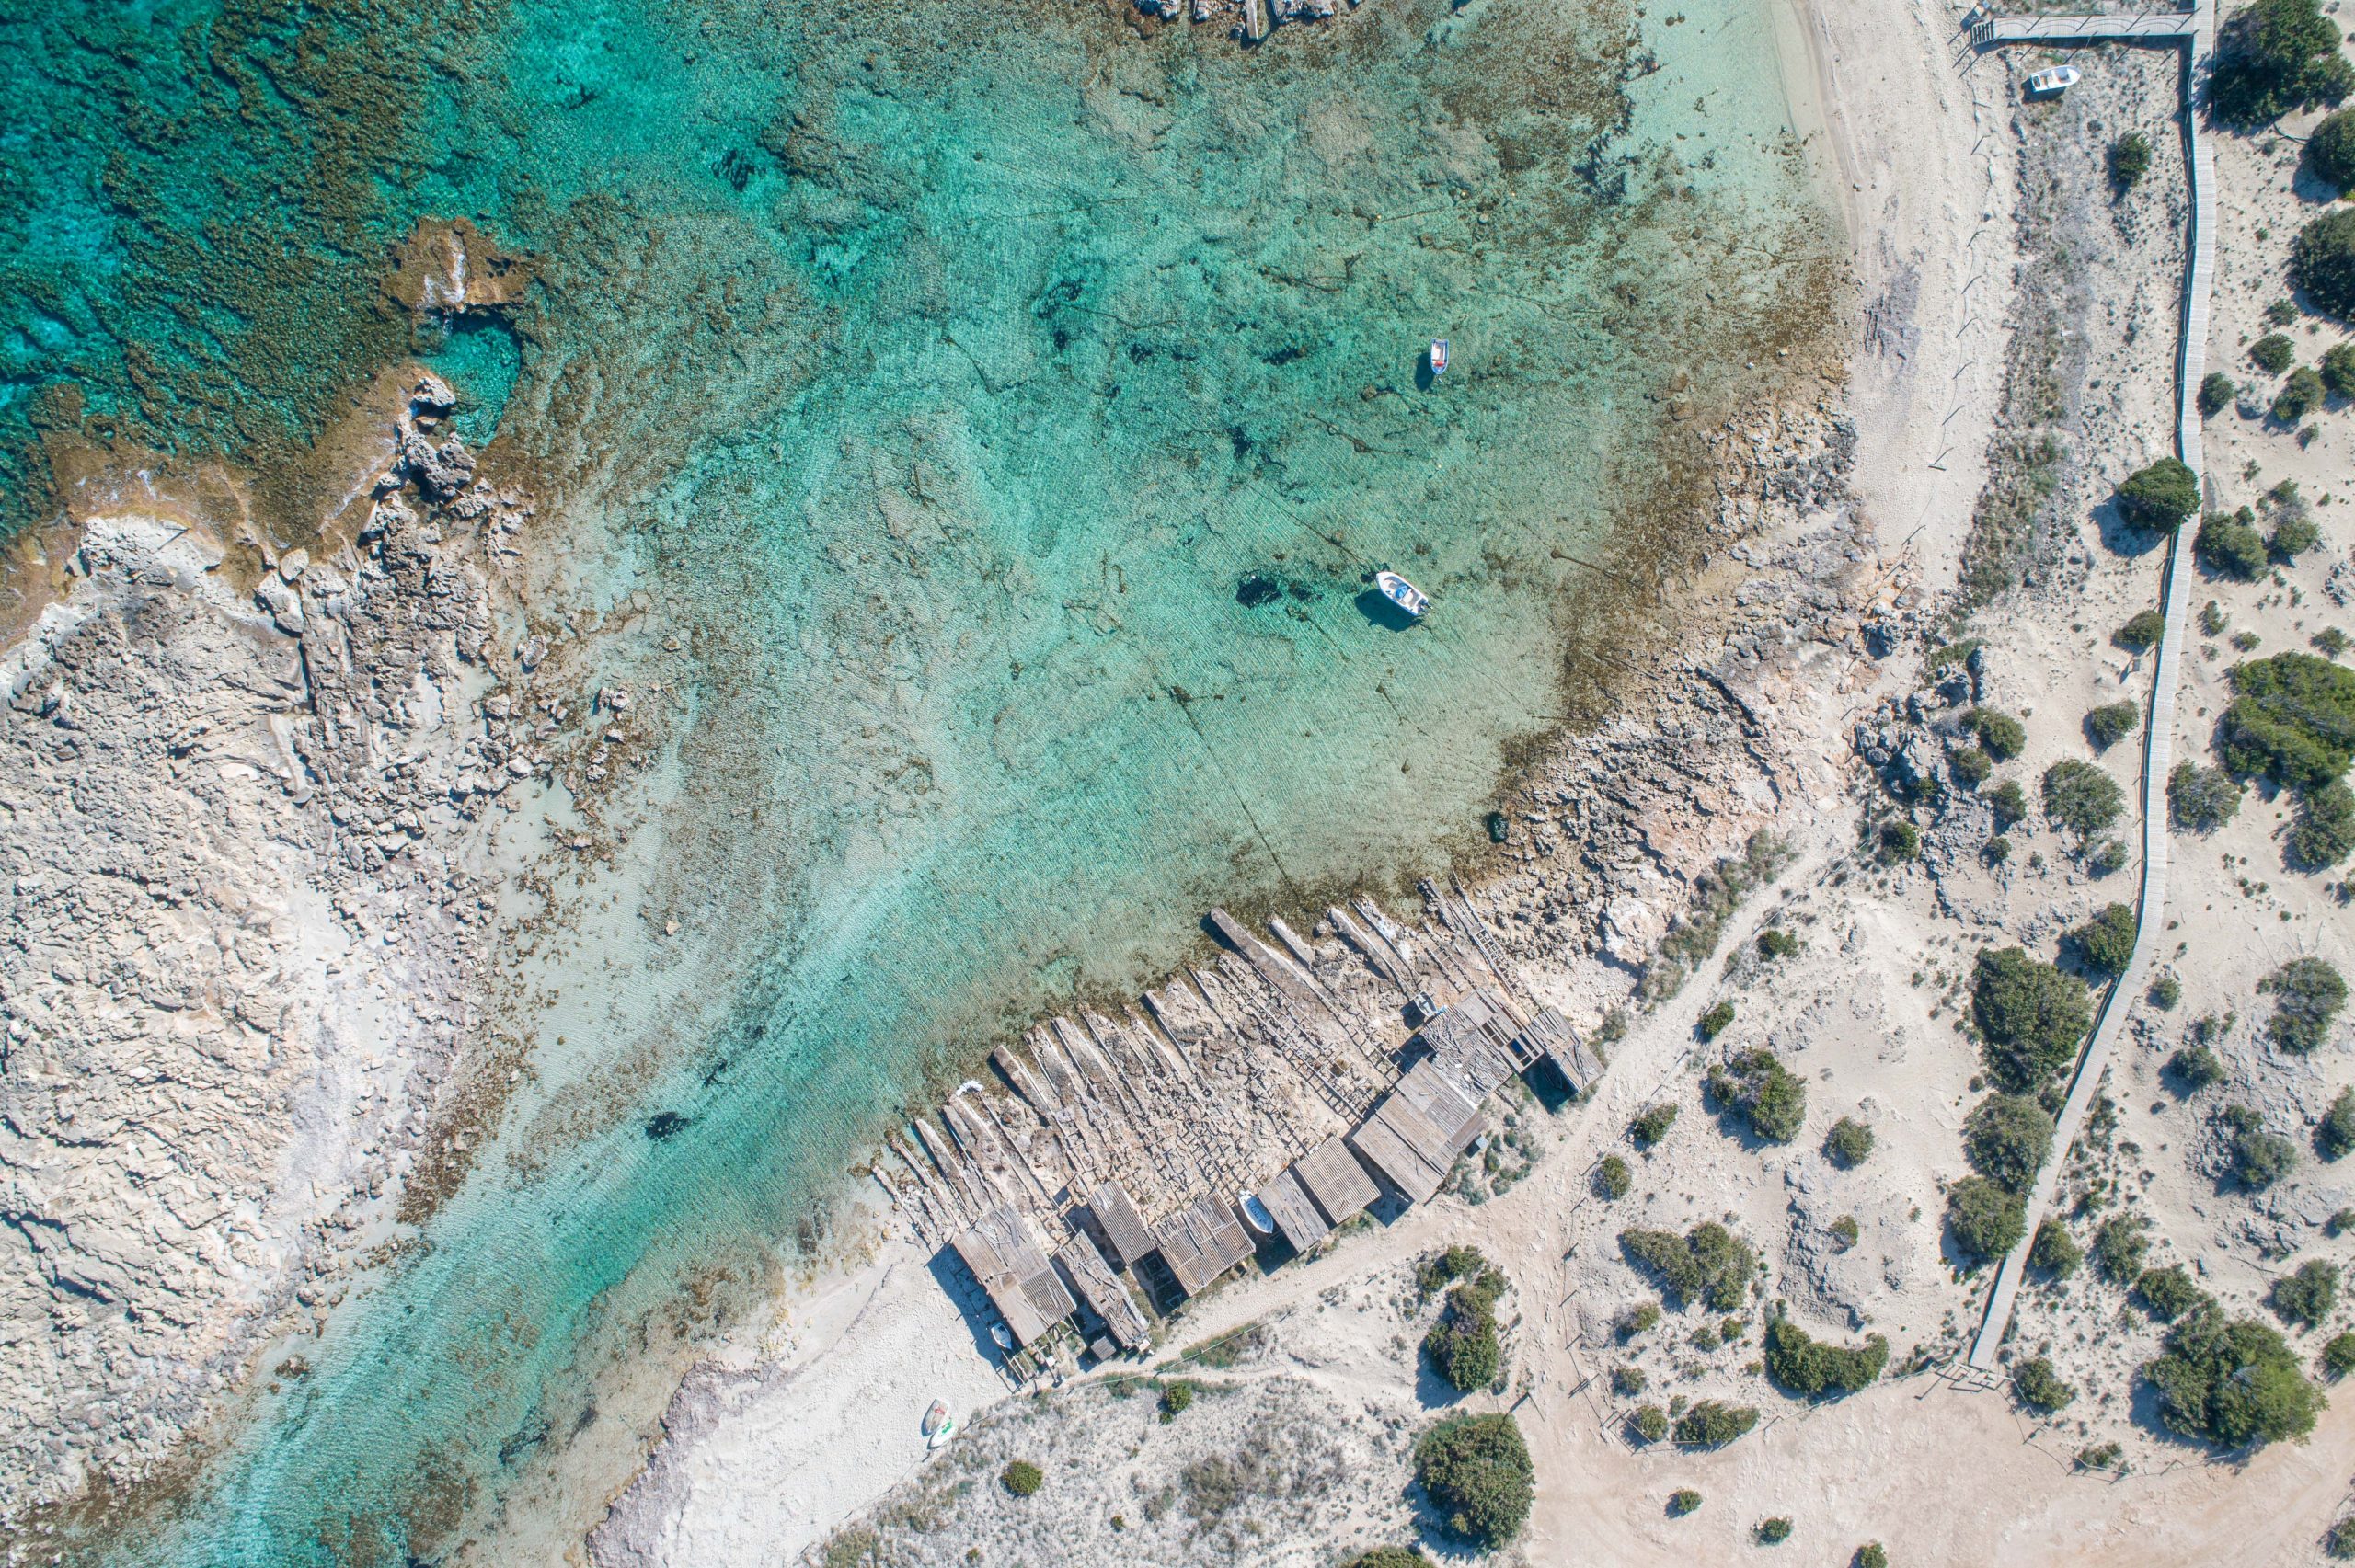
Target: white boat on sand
x: 940, y: 1426
x: 1402, y: 593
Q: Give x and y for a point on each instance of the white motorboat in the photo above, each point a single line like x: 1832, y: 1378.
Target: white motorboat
x: 1439, y: 358
x: 1402, y: 593
x: 940, y: 1426
x: 2053, y: 81
x: 1255, y: 1214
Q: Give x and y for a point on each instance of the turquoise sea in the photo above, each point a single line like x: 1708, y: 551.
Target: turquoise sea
x: 1005, y: 406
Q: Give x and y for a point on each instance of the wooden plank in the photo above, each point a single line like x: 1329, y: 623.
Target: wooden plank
x: 1379, y: 1145
x: 1333, y: 1176
x: 1295, y: 1214
x: 1122, y: 1225
x: 1105, y: 1295
x: 1005, y: 1259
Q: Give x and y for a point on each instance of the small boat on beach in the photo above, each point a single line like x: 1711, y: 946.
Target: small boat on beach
x: 1402, y: 593
x: 1255, y: 1214
x: 1439, y: 358
x: 940, y: 1426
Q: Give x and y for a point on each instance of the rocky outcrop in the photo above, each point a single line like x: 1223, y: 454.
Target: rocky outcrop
x: 238, y: 918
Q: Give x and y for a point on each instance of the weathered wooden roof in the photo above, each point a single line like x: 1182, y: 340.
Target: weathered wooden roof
x: 1201, y: 1242
x: 1123, y: 1226
x: 1549, y: 1034
x: 1102, y: 1291
x: 1333, y: 1176
x: 1005, y: 1256
x: 1380, y: 1145
x: 1443, y: 1100
x: 1295, y: 1215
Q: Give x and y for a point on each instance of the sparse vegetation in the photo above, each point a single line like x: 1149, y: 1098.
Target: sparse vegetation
x: 2080, y: 797
x: 2006, y: 1139
x: 2338, y: 1356
x: 2029, y: 1014
x: 2233, y: 1382
x: 2009, y: 803
x: 1021, y: 1478
x: 1985, y: 1219
x: 1390, y: 1557
x: 1806, y: 1367
x: 1652, y: 1126
x: 1649, y: 1423
x: 2111, y: 723
x: 1682, y: 1501
x: 1846, y: 1231
x: 2335, y: 1134
x: 1898, y: 841
x: 2055, y: 1251
x: 1628, y: 1382
x: 2201, y: 799
x: 1712, y: 1425
x: 1757, y: 1089
x: 1708, y: 1264
x: 1477, y: 1471
x: 2121, y: 1243
x: 2259, y: 1158
x: 1970, y: 766
x: 2165, y: 992
x: 1612, y: 1178
x: 2217, y: 391
x: 2105, y: 943
x: 2039, y: 1388
x: 1641, y: 1318
x: 2302, y: 392
x: 1849, y: 1143
x: 2307, y: 996
x: 2306, y: 1295
x: 1773, y: 1531
x: 2140, y: 633
x: 1176, y: 1398
x: 2003, y: 736
x: 2159, y: 495
x: 2229, y: 545
x: 2322, y: 262
x: 2274, y: 353
x: 2322, y: 833
x: 1716, y: 1021
x: 2169, y: 1293
x: 2196, y: 1066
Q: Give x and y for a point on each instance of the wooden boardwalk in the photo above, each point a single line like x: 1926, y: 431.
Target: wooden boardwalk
x: 2196, y: 31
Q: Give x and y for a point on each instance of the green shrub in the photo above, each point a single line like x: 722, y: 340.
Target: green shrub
x: 2165, y: 992
x: 1476, y: 1468
x: 2002, y: 735
x: 2300, y: 392
x: 2030, y: 1017
x: 2130, y: 159
x: 1641, y: 1318
x: 2272, y: 57
x: 2121, y: 1243
x: 2107, y: 857
x: 1651, y: 1424
x: 1708, y: 1264
x: 2322, y: 262
x: 1716, y: 1021
x: 2274, y: 353
x: 1898, y: 841
x: 1390, y: 1557
x: 2160, y: 495
x: 1628, y: 1382
x: 1970, y: 766
x: 2009, y: 803
x: 2039, y: 1388
x: 1849, y: 1143
x: 1463, y: 1346
x: 1612, y: 1178
x: 2055, y: 1251
x: 2111, y: 723
x: 2006, y: 1139
x: 2322, y: 833
x: 2335, y: 1135
x: 2338, y: 1542
x: 1713, y: 1424
x: 2339, y: 1223
x: 2307, y: 995
x: 2201, y: 799
x: 1985, y: 1219
x: 2105, y: 943
x: 1682, y: 1501
x: 1773, y: 1531
x: 2339, y: 365
x: 1803, y: 1366
x: 2080, y: 797
x: 1869, y: 1555
x: 2229, y: 545
x: 2306, y: 1296
x: 2294, y: 534
x: 1776, y: 942
x: 2338, y: 1356
x: 2217, y: 391
x: 2332, y: 641
x: 2140, y: 633
x: 1846, y: 1231
x: 1439, y: 1269
x: 2233, y: 1382
x: 2259, y: 1158
x: 2291, y: 718
x: 2169, y: 1293
x: 1021, y: 1477
x: 1758, y: 1090
x: 1176, y: 1398
x: 1652, y: 1126
x: 2330, y: 150
x: 2197, y: 1066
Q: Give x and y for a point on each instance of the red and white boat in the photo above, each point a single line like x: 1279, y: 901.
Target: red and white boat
x: 1439, y: 355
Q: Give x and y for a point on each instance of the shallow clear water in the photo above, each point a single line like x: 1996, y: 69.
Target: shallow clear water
x: 941, y: 372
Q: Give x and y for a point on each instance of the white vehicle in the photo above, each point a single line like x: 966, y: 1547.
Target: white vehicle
x: 1402, y: 593
x: 2053, y: 81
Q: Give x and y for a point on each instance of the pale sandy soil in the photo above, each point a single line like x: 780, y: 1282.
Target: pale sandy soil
x: 1928, y: 152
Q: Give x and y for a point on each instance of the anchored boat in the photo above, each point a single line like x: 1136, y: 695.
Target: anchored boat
x: 1402, y: 593
x: 1438, y: 357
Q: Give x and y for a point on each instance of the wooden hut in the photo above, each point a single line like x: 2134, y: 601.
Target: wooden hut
x: 1334, y: 1178
x: 1549, y: 1035
x: 1201, y: 1242
x: 1124, y: 1232
x: 1004, y: 1252
x: 1294, y: 1213
x: 1419, y: 1128
x: 1101, y: 1289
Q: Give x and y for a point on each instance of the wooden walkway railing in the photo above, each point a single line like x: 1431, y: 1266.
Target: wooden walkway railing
x: 2196, y: 31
